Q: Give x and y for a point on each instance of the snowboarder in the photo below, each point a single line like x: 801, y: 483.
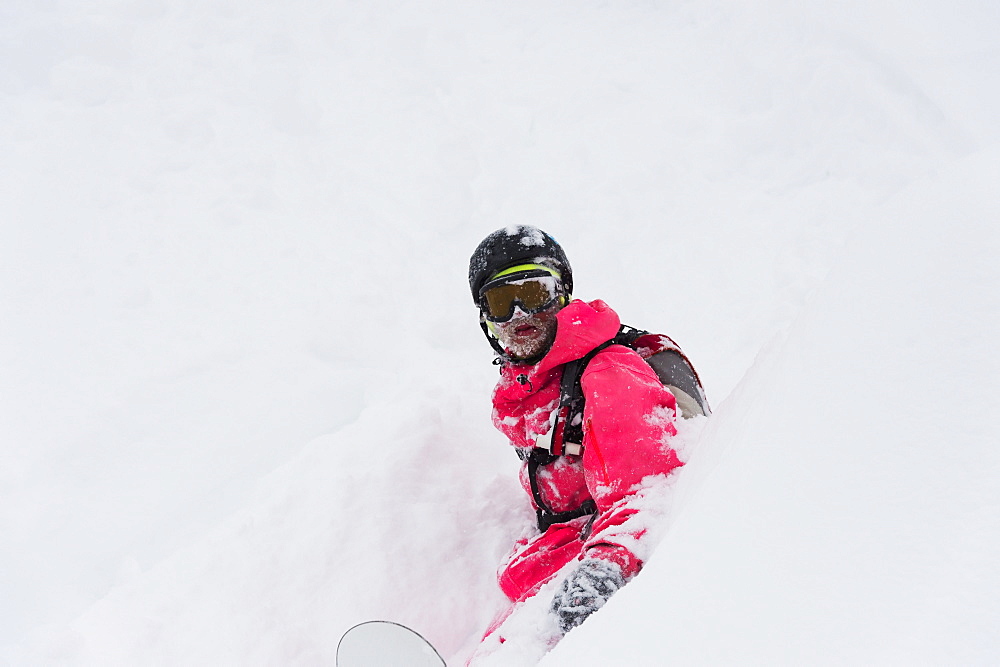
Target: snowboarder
x: 584, y: 492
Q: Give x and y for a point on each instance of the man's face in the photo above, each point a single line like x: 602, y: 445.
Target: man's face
x: 528, y: 335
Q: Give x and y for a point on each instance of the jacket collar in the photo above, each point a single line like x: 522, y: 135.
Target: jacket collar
x: 582, y: 326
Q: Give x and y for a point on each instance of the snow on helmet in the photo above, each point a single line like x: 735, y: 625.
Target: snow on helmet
x: 513, y: 245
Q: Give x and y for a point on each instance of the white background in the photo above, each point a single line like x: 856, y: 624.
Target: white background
x: 245, y: 399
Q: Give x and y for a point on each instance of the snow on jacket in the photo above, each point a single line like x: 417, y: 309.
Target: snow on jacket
x: 628, y: 421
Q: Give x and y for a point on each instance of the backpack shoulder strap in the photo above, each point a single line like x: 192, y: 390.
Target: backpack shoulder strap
x: 571, y: 390
x: 566, y: 434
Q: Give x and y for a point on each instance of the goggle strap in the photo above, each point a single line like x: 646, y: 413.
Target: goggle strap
x: 524, y: 268
x: 521, y: 275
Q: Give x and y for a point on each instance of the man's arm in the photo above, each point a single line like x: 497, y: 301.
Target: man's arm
x: 628, y: 421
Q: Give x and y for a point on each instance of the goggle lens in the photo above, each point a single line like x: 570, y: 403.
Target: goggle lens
x: 533, y: 294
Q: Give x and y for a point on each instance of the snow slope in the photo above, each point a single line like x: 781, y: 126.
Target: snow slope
x: 851, y: 515
x: 245, y: 400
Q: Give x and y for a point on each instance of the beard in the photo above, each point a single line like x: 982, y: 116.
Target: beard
x: 532, y: 344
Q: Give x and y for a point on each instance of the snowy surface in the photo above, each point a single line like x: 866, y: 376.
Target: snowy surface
x: 245, y: 398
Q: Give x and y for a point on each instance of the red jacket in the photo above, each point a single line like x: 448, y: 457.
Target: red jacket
x: 628, y: 421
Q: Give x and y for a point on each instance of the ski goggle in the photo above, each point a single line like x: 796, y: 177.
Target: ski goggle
x: 534, y: 291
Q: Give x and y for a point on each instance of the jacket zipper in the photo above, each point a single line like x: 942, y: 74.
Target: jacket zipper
x: 597, y: 450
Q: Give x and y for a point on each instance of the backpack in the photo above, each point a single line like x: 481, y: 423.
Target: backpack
x: 565, y: 436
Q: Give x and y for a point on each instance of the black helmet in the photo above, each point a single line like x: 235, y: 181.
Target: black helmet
x: 517, y: 244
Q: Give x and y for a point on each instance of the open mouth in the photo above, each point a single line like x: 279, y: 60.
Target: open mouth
x: 526, y: 330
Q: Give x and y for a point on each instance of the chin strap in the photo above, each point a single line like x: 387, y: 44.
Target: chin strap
x: 494, y: 343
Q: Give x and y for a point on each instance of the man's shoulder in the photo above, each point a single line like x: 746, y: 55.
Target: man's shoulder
x: 617, y: 357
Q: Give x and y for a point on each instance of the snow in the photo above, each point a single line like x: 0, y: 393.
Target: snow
x: 245, y: 397
x: 852, y: 516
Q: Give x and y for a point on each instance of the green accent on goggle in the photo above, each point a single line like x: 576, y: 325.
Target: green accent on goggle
x: 525, y: 267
